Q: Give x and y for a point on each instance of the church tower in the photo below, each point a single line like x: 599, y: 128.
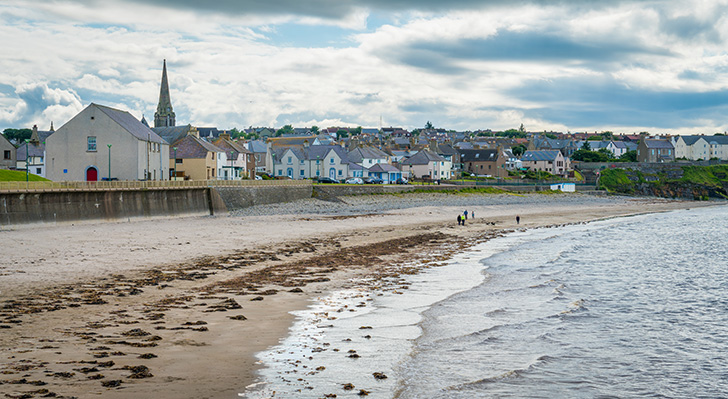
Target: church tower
x: 164, y: 115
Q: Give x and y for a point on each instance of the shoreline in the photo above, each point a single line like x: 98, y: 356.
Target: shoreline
x: 95, y: 314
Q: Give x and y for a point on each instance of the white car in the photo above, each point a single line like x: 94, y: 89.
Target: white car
x: 354, y: 180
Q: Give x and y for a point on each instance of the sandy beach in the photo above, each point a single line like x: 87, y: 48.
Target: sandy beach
x: 178, y: 308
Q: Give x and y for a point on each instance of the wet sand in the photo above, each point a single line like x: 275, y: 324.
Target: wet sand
x: 178, y: 308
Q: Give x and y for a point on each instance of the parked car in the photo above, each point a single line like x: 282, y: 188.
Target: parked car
x: 327, y: 180
x: 401, y: 180
x: 354, y: 180
x: 373, y: 180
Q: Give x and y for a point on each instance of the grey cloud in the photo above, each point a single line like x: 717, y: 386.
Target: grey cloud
x: 335, y: 9
x: 441, y: 57
x: 594, y: 102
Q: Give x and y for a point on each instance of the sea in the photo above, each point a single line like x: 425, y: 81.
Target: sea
x: 630, y: 307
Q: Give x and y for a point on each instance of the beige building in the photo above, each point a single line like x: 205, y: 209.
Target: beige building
x: 551, y: 161
x: 101, y: 143
x: 192, y: 158
x: 7, y: 149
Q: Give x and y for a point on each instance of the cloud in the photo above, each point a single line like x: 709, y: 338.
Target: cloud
x: 36, y: 103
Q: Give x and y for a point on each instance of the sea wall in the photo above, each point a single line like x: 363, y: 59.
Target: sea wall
x: 59, y: 206
x: 70, y: 206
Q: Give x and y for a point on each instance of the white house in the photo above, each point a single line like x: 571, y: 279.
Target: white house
x: 103, y: 142
x: 311, y: 162
x: 427, y: 164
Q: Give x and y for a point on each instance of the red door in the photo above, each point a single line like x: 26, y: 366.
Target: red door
x: 92, y: 174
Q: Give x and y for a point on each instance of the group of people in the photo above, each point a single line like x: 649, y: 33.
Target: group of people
x: 462, y: 218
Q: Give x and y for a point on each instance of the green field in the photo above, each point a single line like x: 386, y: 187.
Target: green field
x: 14, y: 175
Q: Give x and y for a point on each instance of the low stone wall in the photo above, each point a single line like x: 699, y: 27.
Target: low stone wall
x: 243, y: 197
x: 330, y: 192
x: 70, y: 206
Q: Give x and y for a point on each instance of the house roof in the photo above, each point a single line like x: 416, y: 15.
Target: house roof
x: 690, y: 140
x: 659, y: 144
x: 230, y: 146
x: 722, y: 140
x: 193, y: 147
x: 172, y: 134
x: 291, y: 141
x: 423, y: 157
x: 257, y: 146
x: 383, y: 167
x: 311, y: 153
x: 368, y: 152
x: 483, y: 155
x: 130, y: 124
x: 541, y: 155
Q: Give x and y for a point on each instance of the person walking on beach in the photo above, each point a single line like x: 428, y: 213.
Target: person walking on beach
x: 460, y: 220
x: 472, y: 214
x: 466, y: 214
x: 518, y: 219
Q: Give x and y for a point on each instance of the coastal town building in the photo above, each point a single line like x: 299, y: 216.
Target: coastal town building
x: 241, y: 164
x: 165, y: 115
x: 311, y: 162
x: 8, y: 151
x: 426, y: 164
x: 103, y: 142
x: 192, y: 158
x: 651, y: 150
x: 484, y: 162
x: 32, y: 153
x: 551, y: 161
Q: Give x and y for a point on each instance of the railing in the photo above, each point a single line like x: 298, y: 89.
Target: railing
x: 41, y: 186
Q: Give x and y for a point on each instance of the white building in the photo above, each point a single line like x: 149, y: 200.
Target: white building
x: 102, y: 142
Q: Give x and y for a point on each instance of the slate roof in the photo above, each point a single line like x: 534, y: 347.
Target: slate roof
x: 464, y: 145
x: 131, y: 124
x: 369, y: 131
x: 485, y: 155
x: 659, y: 144
x: 384, y: 168
x: 172, y: 134
x: 257, y: 146
x: 231, y: 146
x: 690, y: 140
x: 540, y: 155
x: 310, y: 153
x: 423, y: 157
x: 447, y: 149
x: 722, y: 140
x: 360, y: 153
x: 193, y: 147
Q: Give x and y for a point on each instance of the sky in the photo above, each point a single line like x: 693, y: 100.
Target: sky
x: 556, y: 65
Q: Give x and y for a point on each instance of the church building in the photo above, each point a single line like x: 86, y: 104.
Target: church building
x: 164, y: 117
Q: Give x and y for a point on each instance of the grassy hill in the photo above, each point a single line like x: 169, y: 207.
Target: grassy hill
x: 698, y: 182
x: 14, y: 175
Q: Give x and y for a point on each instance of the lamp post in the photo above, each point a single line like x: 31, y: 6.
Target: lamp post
x: 174, y: 168
x: 232, y: 153
x: 27, y: 158
x: 109, y: 145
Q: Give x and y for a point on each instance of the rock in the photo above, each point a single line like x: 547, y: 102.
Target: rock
x: 111, y: 383
x: 363, y: 392
x: 348, y: 386
x: 380, y: 376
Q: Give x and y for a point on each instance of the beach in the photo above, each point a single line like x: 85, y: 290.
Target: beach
x: 178, y: 307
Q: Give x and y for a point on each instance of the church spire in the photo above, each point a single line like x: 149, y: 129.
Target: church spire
x: 164, y: 115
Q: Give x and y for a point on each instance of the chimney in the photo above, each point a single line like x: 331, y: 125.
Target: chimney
x: 193, y: 131
x: 225, y: 136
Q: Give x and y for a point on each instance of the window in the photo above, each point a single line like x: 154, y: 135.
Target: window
x: 7, y: 154
x: 290, y: 160
x: 302, y: 162
x: 331, y: 161
x: 91, y: 143
x: 318, y: 173
x: 340, y: 172
x: 37, y: 171
x: 280, y: 172
x: 302, y: 173
x: 178, y: 160
x: 318, y: 161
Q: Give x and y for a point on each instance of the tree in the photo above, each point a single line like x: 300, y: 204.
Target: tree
x: 629, y: 156
x: 235, y: 133
x: 609, y: 154
x: 341, y: 133
x: 287, y: 129
x: 521, y: 129
x: 428, y: 125
x: 589, y: 156
x: 17, y: 135
x: 550, y: 135
x: 355, y: 131
x: 518, y: 150
x: 314, y: 129
x: 586, y: 146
